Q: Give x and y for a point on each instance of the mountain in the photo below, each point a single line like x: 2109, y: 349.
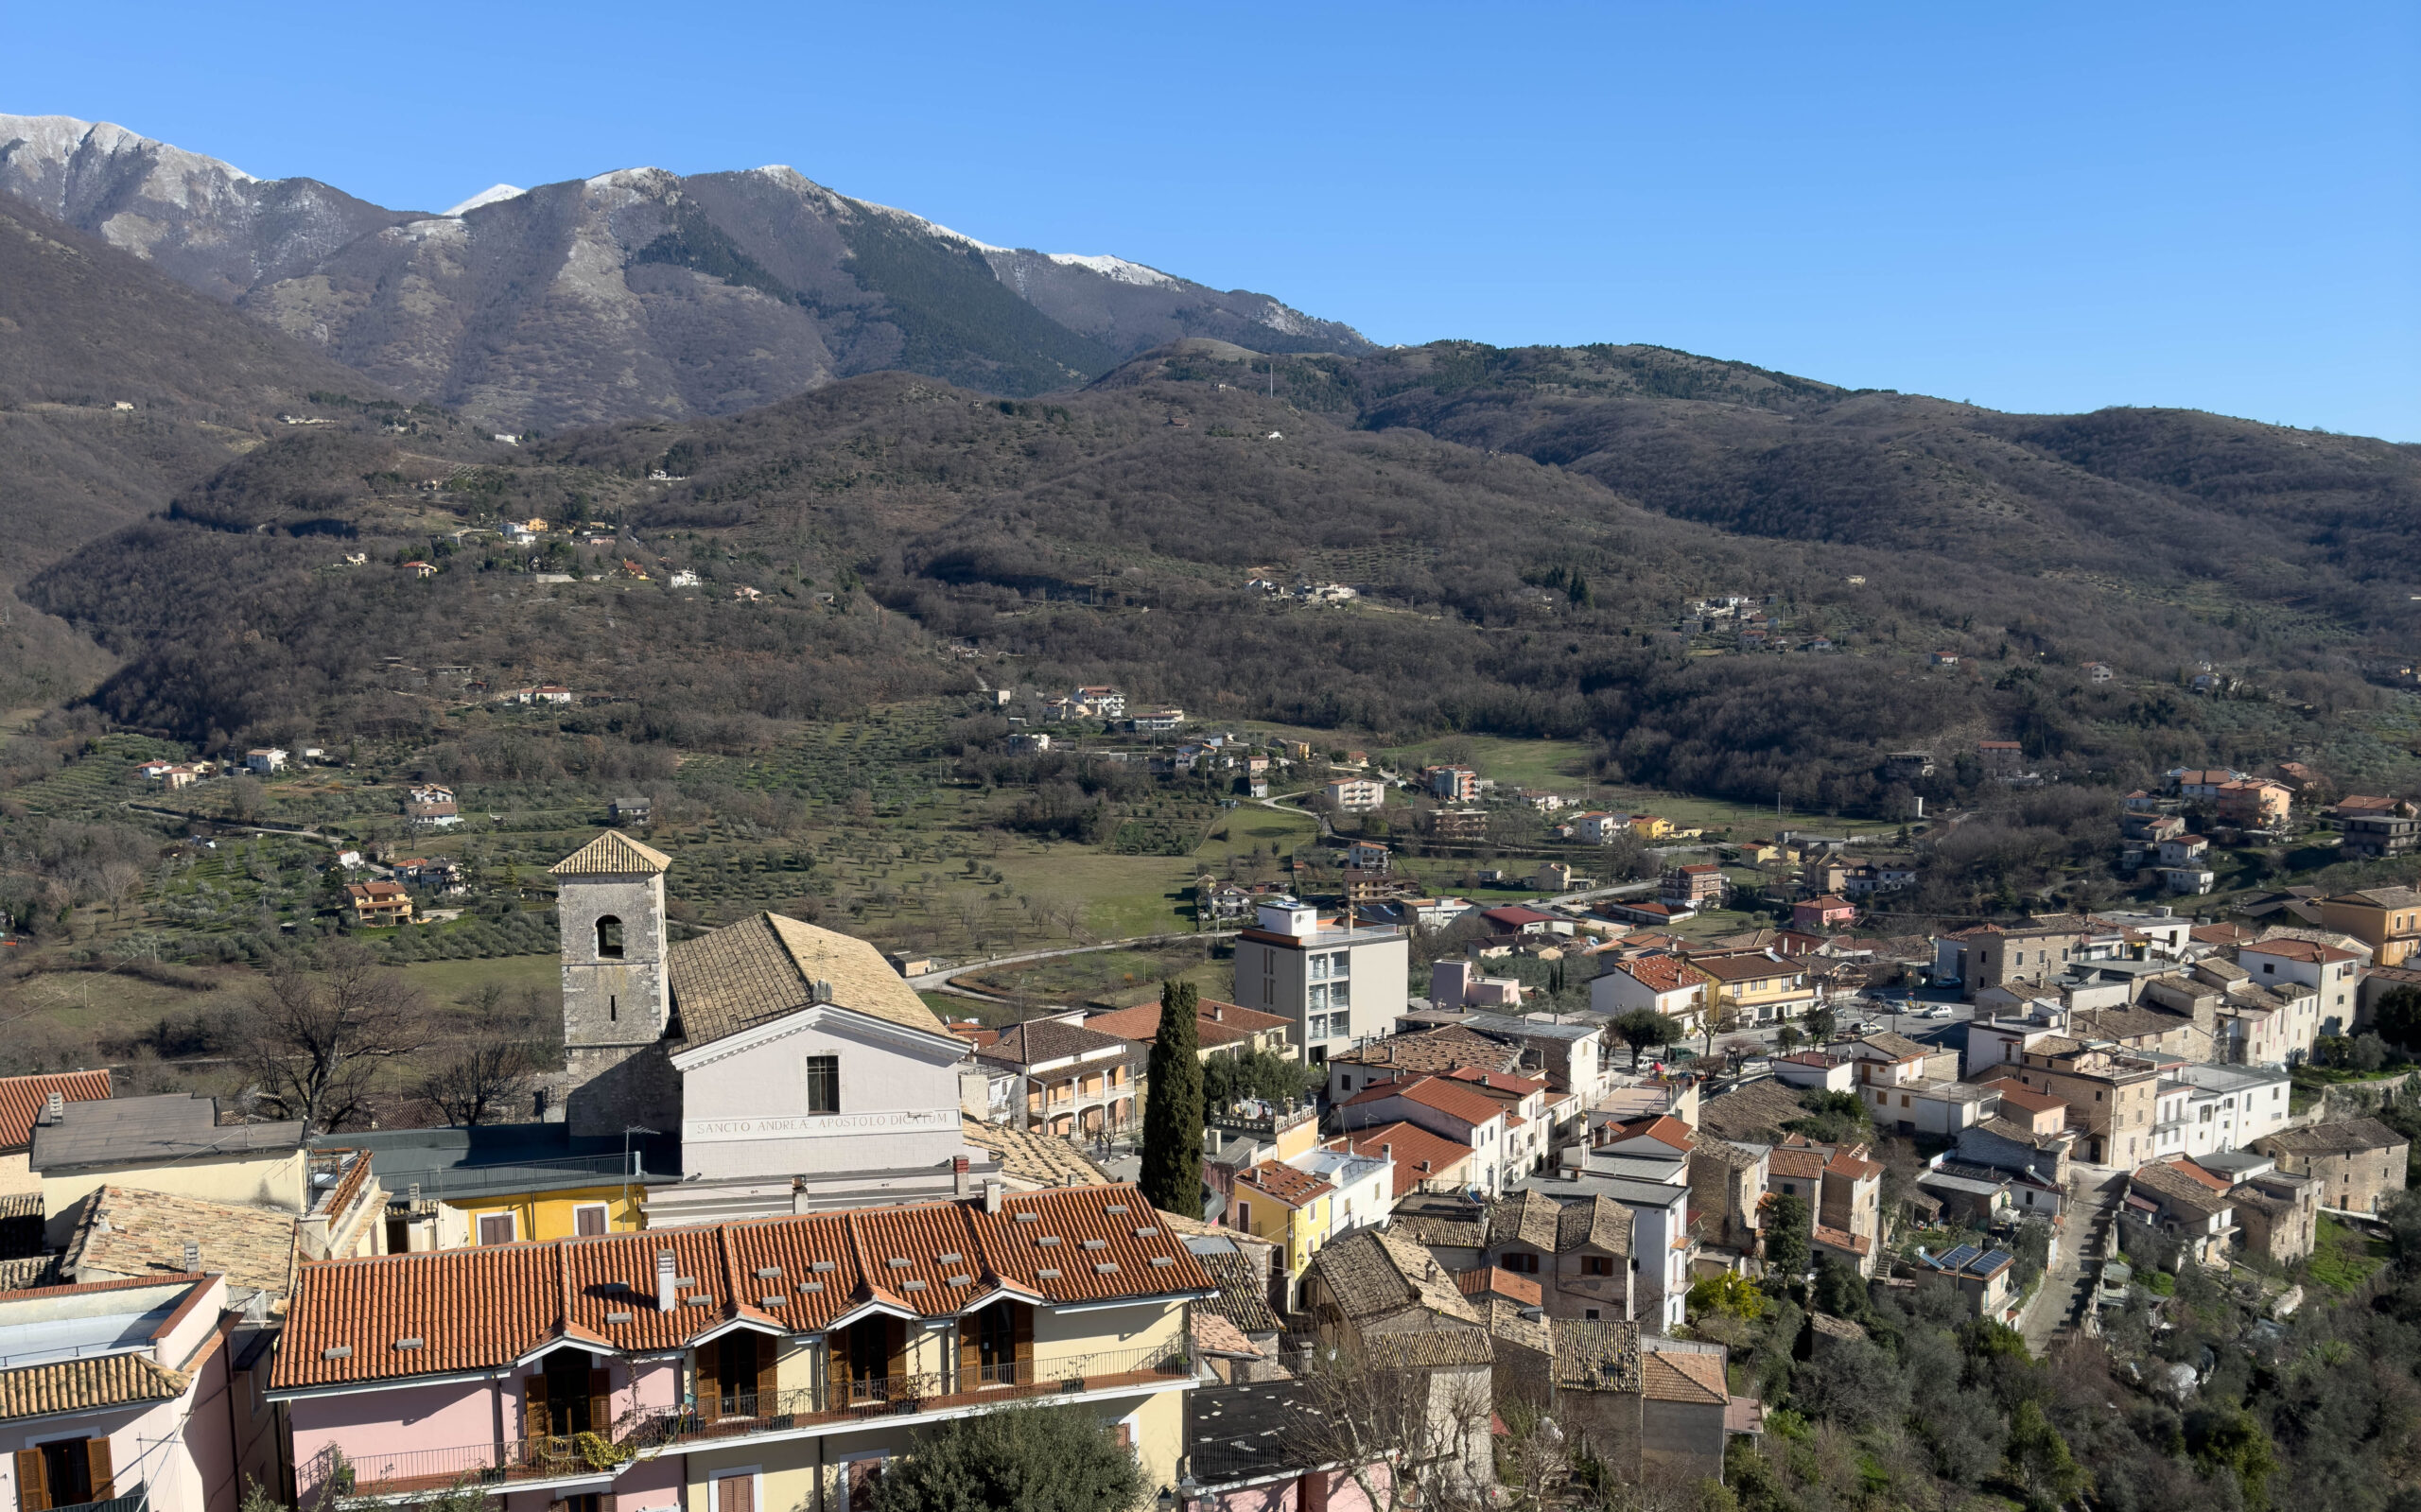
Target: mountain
x: 86, y: 329
x: 635, y: 295
x: 1114, y: 534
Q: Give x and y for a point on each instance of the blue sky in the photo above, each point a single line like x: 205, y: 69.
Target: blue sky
x: 2038, y: 208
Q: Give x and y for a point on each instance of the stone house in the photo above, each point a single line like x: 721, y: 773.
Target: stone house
x: 2359, y: 1163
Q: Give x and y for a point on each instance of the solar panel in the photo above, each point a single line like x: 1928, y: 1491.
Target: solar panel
x: 1993, y: 1261
x: 1958, y: 1258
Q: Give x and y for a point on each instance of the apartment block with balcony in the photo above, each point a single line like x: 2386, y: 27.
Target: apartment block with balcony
x: 735, y: 1366
x: 1334, y: 981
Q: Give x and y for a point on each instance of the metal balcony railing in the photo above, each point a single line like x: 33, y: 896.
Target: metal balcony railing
x: 736, y: 1415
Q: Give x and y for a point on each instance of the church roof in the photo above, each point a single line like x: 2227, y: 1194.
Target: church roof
x: 613, y: 854
x: 766, y: 965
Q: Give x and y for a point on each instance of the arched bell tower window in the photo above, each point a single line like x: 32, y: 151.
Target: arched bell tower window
x: 609, y: 938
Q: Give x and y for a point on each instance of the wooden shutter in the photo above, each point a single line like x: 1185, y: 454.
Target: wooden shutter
x: 1021, y: 1335
x: 534, y: 1402
x: 601, y: 1402
x: 896, y: 1339
x: 768, y: 1382
x: 836, y: 1368
x: 970, y: 1353
x: 710, y: 1379
x: 33, y: 1482
x: 97, y: 1459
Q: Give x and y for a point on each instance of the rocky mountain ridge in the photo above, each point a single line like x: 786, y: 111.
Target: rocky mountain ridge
x: 635, y: 295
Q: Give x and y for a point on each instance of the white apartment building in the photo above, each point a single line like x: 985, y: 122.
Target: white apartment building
x: 1357, y: 795
x: 1334, y: 982
x: 2334, y: 974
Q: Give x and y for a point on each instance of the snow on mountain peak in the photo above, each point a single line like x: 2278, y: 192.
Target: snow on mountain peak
x: 491, y: 195
x: 1117, y: 267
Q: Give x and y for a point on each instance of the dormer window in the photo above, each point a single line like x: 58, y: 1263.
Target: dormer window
x: 609, y: 938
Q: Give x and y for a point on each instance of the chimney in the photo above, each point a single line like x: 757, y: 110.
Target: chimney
x: 958, y: 1175
x: 993, y: 1192
x: 53, y: 1107
x: 1218, y: 1013
x: 667, y: 1292
x: 1386, y: 1151
x: 193, y: 1258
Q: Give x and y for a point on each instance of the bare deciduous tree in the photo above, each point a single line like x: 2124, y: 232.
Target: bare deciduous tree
x: 1406, y: 1435
x: 481, y: 1080
x: 320, y: 1030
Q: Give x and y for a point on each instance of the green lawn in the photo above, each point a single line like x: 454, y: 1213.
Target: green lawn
x: 2341, y: 1258
x: 449, y: 981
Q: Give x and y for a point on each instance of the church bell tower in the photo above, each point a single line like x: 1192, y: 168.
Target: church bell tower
x: 609, y: 905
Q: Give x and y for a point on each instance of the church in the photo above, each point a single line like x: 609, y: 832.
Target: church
x: 798, y: 1070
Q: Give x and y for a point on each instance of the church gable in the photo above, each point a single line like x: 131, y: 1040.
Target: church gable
x: 766, y: 967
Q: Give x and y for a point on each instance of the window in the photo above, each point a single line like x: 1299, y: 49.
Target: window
x: 1595, y: 1265
x: 609, y: 938
x: 63, y: 1473
x: 1244, y: 1216
x: 1521, y: 1265
x: 1318, y: 997
x: 1589, y: 1313
x: 495, y: 1229
x: 1319, y: 969
x: 823, y: 1075
x: 588, y: 1218
x: 1341, y: 963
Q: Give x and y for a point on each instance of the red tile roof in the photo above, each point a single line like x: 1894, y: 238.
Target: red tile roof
x: 483, y: 1308
x: 1663, y: 973
x: 1291, y: 1187
x: 22, y: 1099
x: 1496, y: 1081
x: 1662, y: 1127
x: 2022, y: 1097
x: 1488, y: 1279
x: 1234, y: 1024
x: 1430, y: 1091
x: 1419, y: 1155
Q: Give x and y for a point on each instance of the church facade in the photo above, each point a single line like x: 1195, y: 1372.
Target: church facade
x: 799, y: 1071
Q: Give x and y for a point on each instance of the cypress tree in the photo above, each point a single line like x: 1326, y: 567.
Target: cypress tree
x: 1172, y: 1116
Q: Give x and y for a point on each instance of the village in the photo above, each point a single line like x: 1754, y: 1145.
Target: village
x: 776, y: 1210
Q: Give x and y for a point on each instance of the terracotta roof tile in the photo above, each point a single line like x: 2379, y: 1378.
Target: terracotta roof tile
x: 128, y: 1232
x: 1663, y: 973
x: 478, y: 1308
x: 1690, y: 1376
x: 83, y: 1386
x: 1284, y: 1182
x: 613, y: 854
x: 1031, y: 1159
x: 764, y: 967
x: 1419, y: 1155
x: 22, y: 1099
x: 1487, y: 1279
x: 1430, y: 1091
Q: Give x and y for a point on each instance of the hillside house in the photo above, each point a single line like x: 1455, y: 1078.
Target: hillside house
x: 1823, y: 915
x: 262, y: 760
x: 1597, y: 827
x: 1667, y: 984
x: 1453, y: 784
x: 2358, y: 1163
x: 378, y: 904
x: 1357, y: 795
x: 1762, y: 988
x: 1459, y: 824
x: 2098, y: 671
x: 1699, y: 885
x: 1099, y: 701
x: 2000, y: 757
x: 1067, y: 1079
x: 2254, y: 803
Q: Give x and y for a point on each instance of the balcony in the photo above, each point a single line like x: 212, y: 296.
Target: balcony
x: 564, y: 1459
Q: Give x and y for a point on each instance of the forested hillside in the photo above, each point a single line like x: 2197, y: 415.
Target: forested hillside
x: 1111, y: 534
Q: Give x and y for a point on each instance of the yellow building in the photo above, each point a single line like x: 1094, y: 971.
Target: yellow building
x: 507, y: 1184
x: 2388, y: 919
x: 1756, y: 988
x: 1648, y: 827
x: 1291, y: 1209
